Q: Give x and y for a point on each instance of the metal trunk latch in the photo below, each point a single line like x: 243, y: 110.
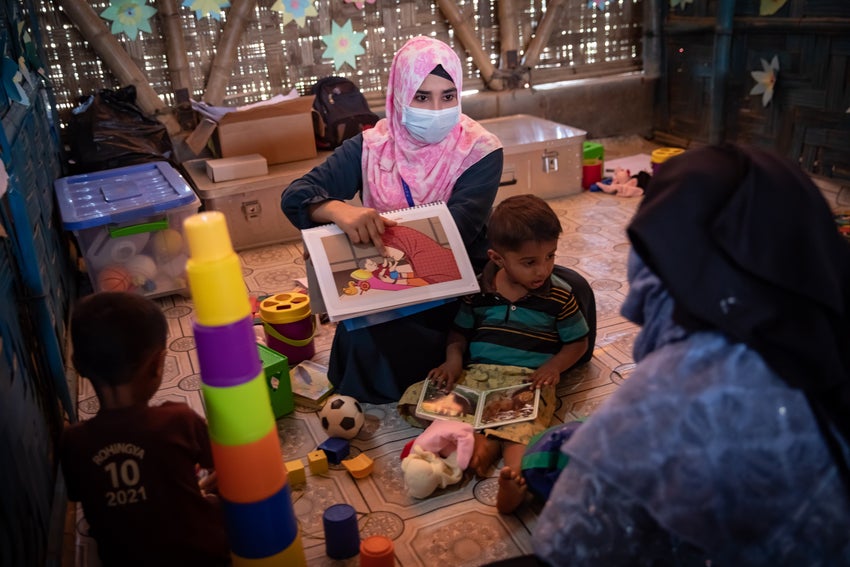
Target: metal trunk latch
x: 251, y: 209
x: 550, y: 161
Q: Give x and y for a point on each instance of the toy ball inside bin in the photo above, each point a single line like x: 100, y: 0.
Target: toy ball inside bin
x: 289, y: 325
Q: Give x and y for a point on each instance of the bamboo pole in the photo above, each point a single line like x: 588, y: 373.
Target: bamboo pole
x: 541, y: 34
x: 508, y: 35
x: 722, y: 56
x: 222, y: 66
x: 467, y: 38
x: 175, y: 46
x: 95, y: 31
x: 678, y: 25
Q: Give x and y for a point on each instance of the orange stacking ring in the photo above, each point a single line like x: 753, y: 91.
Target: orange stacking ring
x: 250, y: 472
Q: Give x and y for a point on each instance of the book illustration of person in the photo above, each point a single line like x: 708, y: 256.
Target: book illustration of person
x: 387, y: 270
x: 448, y: 404
x: 430, y: 260
x: 509, y: 405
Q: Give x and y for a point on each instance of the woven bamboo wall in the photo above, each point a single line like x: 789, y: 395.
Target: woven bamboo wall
x: 274, y: 58
x: 807, y: 118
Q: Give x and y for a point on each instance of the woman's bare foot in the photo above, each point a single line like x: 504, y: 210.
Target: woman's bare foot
x: 484, y: 454
x: 511, y: 491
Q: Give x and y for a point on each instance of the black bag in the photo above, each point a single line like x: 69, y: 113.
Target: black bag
x: 108, y: 130
x: 340, y: 111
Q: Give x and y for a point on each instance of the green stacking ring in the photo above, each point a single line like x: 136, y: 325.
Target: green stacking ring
x: 239, y: 414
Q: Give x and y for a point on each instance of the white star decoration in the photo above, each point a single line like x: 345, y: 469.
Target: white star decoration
x: 765, y: 80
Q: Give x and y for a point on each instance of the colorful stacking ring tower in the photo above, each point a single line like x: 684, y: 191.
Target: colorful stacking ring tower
x: 251, y: 473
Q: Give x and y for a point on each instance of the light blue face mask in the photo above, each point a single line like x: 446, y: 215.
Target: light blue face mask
x: 430, y: 126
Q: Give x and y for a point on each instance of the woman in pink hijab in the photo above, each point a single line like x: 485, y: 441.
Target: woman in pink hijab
x: 425, y: 150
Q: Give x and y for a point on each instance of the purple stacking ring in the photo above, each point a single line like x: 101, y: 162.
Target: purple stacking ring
x: 228, y: 354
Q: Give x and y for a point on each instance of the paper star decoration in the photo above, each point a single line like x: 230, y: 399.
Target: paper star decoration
x: 203, y: 8
x: 770, y: 7
x: 765, y: 80
x: 12, y: 81
x: 129, y: 16
x: 360, y: 5
x: 343, y: 45
x: 295, y: 10
x: 598, y: 4
x: 680, y: 3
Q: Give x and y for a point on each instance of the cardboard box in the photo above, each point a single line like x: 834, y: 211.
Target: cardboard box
x: 541, y: 157
x: 281, y: 132
x: 128, y: 223
x: 252, y: 205
x: 239, y: 167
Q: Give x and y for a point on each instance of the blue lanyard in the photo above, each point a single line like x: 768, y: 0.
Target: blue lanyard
x: 407, y: 194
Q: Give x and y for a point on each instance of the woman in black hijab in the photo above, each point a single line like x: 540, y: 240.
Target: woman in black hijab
x: 729, y: 441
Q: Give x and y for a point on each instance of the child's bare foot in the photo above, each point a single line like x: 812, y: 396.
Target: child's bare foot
x: 484, y: 454
x: 511, y: 491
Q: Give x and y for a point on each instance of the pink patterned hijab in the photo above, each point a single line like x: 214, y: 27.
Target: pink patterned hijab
x: 391, y: 154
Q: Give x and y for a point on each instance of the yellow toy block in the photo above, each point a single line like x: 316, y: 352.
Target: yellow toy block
x: 318, y: 461
x: 360, y: 466
x: 295, y: 472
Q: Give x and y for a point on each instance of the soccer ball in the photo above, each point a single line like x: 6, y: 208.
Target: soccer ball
x: 342, y: 416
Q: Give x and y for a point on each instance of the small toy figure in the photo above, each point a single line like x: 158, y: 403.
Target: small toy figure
x: 622, y: 183
x: 437, y: 458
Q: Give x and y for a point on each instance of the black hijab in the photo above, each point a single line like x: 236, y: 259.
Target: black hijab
x: 747, y: 245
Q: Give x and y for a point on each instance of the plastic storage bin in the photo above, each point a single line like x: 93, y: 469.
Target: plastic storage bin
x: 128, y: 223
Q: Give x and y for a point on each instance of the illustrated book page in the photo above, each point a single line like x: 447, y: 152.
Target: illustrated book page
x: 479, y: 408
x: 310, y: 384
x: 425, y: 261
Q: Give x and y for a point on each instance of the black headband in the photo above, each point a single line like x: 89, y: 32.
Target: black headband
x: 440, y: 72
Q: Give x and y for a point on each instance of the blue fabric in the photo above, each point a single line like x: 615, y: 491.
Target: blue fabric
x: 704, y: 453
x: 543, y: 459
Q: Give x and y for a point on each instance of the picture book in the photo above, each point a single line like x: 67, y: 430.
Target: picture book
x: 479, y: 408
x: 310, y: 384
x: 424, y: 261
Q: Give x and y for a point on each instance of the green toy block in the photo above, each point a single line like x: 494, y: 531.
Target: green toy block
x: 593, y: 150
x: 276, y: 369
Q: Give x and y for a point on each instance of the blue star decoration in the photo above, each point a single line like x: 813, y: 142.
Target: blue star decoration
x: 295, y: 10
x: 211, y: 8
x: 598, y: 4
x: 129, y: 16
x: 343, y: 45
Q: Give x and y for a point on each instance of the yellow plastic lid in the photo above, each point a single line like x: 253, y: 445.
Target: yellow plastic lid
x: 285, y: 308
x: 663, y: 154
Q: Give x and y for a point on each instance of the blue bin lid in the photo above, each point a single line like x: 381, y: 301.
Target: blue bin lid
x: 121, y: 194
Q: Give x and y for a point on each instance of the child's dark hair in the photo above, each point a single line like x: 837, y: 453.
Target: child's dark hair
x: 114, y: 334
x: 520, y: 219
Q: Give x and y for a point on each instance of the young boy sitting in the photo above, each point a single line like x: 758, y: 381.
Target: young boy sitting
x: 133, y: 466
x: 524, y: 326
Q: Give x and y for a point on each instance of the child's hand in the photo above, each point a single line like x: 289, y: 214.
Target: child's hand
x: 208, y: 483
x: 445, y: 376
x: 544, y: 376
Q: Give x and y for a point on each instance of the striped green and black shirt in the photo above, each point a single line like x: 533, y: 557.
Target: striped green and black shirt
x: 525, y: 333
